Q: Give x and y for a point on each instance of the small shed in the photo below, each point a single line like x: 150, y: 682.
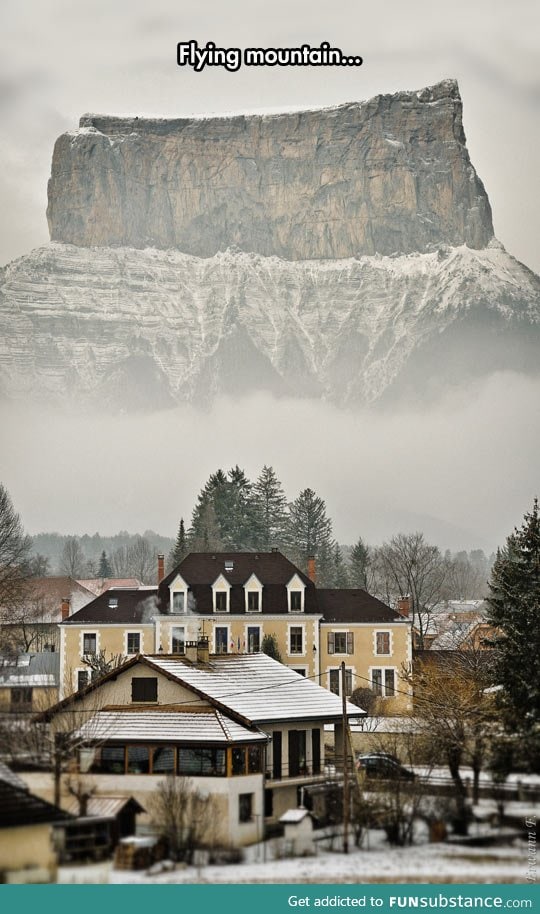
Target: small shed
x: 299, y: 825
x: 106, y: 821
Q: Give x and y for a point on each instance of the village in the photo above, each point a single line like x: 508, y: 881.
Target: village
x: 235, y: 717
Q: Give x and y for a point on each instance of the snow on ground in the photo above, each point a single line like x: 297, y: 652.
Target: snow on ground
x: 378, y: 863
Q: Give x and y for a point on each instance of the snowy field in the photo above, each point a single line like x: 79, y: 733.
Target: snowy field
x: 426, y: 863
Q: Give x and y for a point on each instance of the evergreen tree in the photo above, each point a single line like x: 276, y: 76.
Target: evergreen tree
x: 230, y: 497
x: 270, y: 506
x: 204, y: 535
x: 104, y: 570
x: 340, y: 577
x: 180, y: 548
x: 270, y: 646
x: 358, y: 566
x: 514, y: 608
x: 310, y: 531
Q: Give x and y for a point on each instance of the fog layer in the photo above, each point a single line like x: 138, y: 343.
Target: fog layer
x: 463, y: 471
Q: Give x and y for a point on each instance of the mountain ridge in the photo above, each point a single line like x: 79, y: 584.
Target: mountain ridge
x: 148, y: 329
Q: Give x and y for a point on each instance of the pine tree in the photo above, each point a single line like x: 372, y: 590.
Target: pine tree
x: 180, y: 548
x: 358, y: 566
x: 514, y: 609
x: 310, y: 531
x: 270, y: 505
x: 104, y: 570
x: 340, y: 577
x: 270, y: 646
x: 234, y: 511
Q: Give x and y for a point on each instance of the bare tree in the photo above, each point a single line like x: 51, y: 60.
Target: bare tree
x: 73, y: 560
x: 138, y: 560
x: 183, y: 816
x: 14, y: 551
x: 408, y: 566
x: 457, y: 716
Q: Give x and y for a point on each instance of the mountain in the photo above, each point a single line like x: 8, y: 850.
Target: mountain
x: 345, y: 254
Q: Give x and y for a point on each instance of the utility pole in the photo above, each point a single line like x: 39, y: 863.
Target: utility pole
x: 345, y: 764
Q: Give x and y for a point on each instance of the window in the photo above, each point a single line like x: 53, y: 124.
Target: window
x: 221, y: 636
x: 89, y: 643
x: 163, y: 761
x: 144, y: 688
x: 253, y: 601
x: 133, y: 642
x: 382, y: 642
x: 335, y: 682
x: 383, y: 682
x: 297, y: 753
x: 254, y: 760
x: 179, y: 605
x: 178, y: 639
x: 245, y: 807
x: 113, y: 602
x: 207, y: 762
x: 389, y: 683
x: 296, y: 639
x: 109, y: 760
x: 296, y: 601
x: 340, y: 643
x: 229, y: 565
x: 138, y: 760
x: 301, y: 670
x: 221, y: 601
x: 21, y: 698
x: 238, y: 763
x: 253, y: 639
x: 82, y: 679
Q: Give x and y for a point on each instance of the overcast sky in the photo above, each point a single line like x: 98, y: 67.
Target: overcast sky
x: 60, y: 59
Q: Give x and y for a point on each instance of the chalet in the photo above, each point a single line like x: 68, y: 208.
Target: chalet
x: 242, y: 728
x: 235, y: 600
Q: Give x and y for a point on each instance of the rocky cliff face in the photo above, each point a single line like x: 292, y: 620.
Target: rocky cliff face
x: 143, y: 299
x: 130, y: 329
x: 389, y: 175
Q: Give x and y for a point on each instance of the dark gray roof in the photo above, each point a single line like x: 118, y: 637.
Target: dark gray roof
x: 201, y: 569
x: 20, y: 807
x: 354, y: 606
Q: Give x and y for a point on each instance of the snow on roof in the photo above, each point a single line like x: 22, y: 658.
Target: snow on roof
x: 101, y: 806
x: 292, y: 816
x: 258, y: 688
x: 200, y: 726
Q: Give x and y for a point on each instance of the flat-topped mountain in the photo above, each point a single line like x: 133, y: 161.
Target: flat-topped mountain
x: 345, y: 254
x: 388, y: 175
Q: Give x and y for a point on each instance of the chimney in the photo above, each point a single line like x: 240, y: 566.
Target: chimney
x: 404, y: 606
x: 160, y: 567
x: 311, y: 570
x: 65, y: 608
x: 203, y: 650
x: 190, y: 651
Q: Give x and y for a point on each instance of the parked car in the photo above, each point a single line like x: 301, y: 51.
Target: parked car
x: 382, y: 765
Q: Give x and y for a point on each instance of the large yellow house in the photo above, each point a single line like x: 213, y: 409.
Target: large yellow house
x: 234, y: 600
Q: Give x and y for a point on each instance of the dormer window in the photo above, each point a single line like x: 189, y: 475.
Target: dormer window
x: 221, y: 595
x: 296, y: 590
x: 178, y: 590
x: 113, y: 602
x: 179, y: 602
x: 253, y: 595
x: 221, y: 602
